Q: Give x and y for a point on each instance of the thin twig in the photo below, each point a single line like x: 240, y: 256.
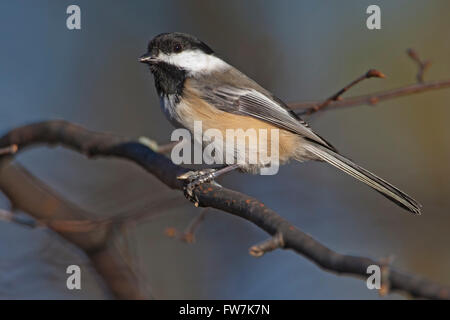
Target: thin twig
x: 275, y: 242
x: 422, y: 65
x: 152, y: 144
x: 166, y: 148
x: 189, y: 234
x: 374, y: 98
x: 372, y: 73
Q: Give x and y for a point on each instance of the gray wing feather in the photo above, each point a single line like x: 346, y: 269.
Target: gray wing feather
x: 261, y: 105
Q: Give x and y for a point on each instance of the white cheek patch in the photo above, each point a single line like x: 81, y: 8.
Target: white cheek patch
x: 194, y: 61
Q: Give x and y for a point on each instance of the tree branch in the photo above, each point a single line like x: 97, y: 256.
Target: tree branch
x: 373, y: 98
x: 102, y: 144
x: 76, y: 225
x: 372, y: 73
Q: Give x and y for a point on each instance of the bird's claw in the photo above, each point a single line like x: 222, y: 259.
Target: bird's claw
x: 193, y: 180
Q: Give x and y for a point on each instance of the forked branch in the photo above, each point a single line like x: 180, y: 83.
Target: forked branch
x: 99, y: 144
x: 335, y: 101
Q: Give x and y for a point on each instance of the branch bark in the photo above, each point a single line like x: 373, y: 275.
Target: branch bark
x: 95, y: 144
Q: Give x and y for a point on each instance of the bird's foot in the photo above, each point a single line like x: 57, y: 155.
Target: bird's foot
x: 193, y: 180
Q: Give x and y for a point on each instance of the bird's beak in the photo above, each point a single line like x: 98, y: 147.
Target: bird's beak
x: 146, y: 58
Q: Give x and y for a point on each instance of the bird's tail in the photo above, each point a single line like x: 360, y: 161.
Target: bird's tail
x: 383, y: 187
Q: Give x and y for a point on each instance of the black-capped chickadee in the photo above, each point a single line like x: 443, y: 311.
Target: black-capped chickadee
x: 195, y: 85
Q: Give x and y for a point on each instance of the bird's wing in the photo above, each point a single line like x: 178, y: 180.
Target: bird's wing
x: 254, y: 101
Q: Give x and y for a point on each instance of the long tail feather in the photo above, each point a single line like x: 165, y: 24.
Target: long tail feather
x: 385, y: 188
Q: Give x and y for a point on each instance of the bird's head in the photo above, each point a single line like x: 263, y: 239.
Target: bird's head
x: 180, y: 52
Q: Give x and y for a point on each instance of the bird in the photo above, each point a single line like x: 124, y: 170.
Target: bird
x: 194, y: 84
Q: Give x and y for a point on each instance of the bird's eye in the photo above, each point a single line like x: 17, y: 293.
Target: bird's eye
x: 177, y: 48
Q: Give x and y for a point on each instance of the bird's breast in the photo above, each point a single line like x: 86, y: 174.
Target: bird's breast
x: 169, y: 105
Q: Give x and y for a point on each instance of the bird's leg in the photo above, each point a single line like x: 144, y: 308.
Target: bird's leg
x: 195, y: 178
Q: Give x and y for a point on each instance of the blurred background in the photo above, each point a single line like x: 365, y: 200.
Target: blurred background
x: 299, y: 50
